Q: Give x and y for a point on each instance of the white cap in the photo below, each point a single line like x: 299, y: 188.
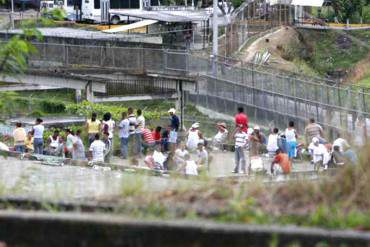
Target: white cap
x: 256, y: 127
x: 315, y: 140
x: 195, y: 125
x: 172, y: 110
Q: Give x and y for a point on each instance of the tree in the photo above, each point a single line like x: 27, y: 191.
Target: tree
x: 15, y: 52
x: 348, y: 9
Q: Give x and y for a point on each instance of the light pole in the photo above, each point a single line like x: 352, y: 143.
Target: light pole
x: 215, y: 39
x: 12, y: 15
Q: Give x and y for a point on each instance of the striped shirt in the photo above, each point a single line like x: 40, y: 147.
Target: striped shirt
x: 241, y: 139
x: 147, y: 136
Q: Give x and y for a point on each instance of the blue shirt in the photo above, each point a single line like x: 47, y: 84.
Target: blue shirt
x: 175, y: 122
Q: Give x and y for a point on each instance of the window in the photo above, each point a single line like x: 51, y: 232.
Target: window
x: 124, y: 4
x: 96, y: 4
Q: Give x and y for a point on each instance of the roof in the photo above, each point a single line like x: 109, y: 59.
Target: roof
x: 131, y: 26
x: 312, y: 3
x: 164, y: 16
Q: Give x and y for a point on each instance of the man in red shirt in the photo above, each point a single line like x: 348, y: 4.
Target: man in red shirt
x: 241, y: 119
x: 283, y: 163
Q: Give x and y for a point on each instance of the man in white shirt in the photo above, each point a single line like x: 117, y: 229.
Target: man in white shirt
x: 97, y: 149
x: 320, y: 154
x: 124, y: 127
x: 38, y: 137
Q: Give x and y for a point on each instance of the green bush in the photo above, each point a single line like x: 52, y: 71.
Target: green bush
x: 52, y: 107
x: 36, y: 113
x: 86, y: 108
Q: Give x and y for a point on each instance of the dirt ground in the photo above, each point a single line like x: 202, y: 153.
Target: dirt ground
x: 279, y: 38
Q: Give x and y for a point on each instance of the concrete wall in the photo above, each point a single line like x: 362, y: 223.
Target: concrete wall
x: 70, y: 229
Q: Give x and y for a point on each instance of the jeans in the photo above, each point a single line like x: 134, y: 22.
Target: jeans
x: 124, y: 147
x: 20, y: 148
x: 38, y: 146
x: 239, y: 158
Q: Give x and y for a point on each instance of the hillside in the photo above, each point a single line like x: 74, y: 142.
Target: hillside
x: 335, y: 55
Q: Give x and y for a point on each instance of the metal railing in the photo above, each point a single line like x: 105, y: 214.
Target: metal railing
x: 268, y: 95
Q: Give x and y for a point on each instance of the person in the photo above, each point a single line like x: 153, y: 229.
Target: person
x: 29, y: 142
x: 256, y: 142
x: 313, y: 130
x: 61, y: 149
x: 134, y: 137
x: 149, y: 160
x: 175, y: 125
x: 132, y: 120
x: 281, y: 163
x: 350, y: 156
x: 165, y: 145
x: 221, y: 136
x: 69, y: 141
x: 96, y: 150
x: 157, y: 134
x: 241, y: 141
x: 38, y: 137
x: 191, y: 168
x: 78, y: 152
x: 320, y: 154
x: 341, y: 143
x: 241, y: 119
x: 179, y: 156
x: 272, y: 143
x: 108, y: 126
x: 140, y: 120
x: 193, y: 137
x: 92, y: 126
x: 53, y: 143
x: 159, y: 159
x: 108, y: 147
x: 202, y: 155
x: 291, y: 140
x: 124, y: 128
x: 147, y: 137
x: 338, y: 158
x: 360, y: 132
x: 19, y: 136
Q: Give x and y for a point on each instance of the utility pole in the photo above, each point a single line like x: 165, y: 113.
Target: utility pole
x: 215, y: 39
x: 12, y: 15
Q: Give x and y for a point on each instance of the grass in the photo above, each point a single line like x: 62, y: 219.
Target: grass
x: 332, y: 50
x: 339, y: 202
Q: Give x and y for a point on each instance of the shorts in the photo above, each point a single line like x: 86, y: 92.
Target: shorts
x: 173, y: 137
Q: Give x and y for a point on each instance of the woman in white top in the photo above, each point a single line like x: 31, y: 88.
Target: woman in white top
x: 38, y: 137
x: 291, y: 140
x: 194, y: 136
x: 53, y: 143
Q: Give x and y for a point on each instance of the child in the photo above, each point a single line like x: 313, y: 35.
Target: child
x: 191, y: 168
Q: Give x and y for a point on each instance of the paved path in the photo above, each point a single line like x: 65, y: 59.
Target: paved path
x: 32, y: 180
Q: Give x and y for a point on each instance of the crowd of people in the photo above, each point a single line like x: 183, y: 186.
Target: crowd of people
x: 161, y: 147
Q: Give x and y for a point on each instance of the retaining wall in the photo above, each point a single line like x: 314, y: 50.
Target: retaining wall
x: 71, y: 229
